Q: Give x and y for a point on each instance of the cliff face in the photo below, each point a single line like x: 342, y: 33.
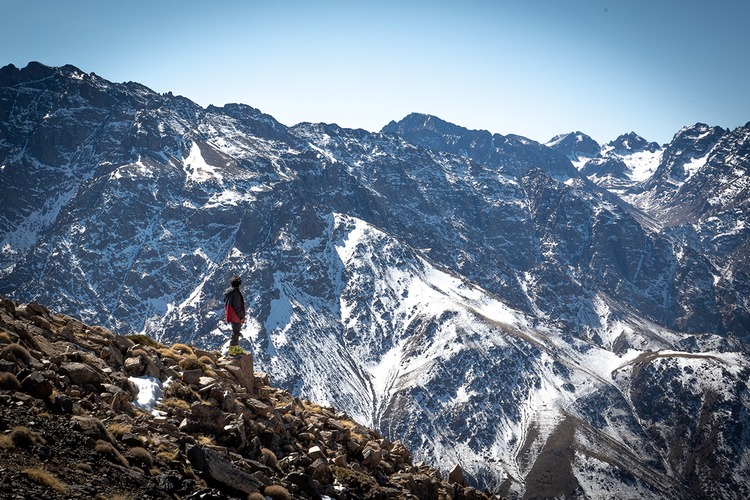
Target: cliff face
x: 86, y: 413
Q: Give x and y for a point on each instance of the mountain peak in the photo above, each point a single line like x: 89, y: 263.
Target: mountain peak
x: 424, y: 122
x: 575, y: 144
x: 633, y: 143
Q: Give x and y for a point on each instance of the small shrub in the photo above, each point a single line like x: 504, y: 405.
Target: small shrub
x: 203, y: 440
x: 277, y: 492
x: 15, y: 352
x: 166, y: 352
x: 206, y: 361
x: 118, y: 429
x: 179, y: 390
x: 42, y: 414
x: 9, y: 382
x: 84, y: 467
x: 191, y: 363
x: 5, y: 338
x: 180, y: 404
x: 141, y: 456
x: 269, y: 458
x: 183, y: 349
x: 168, y: 456
x: 6, y: 443
x: 143, y: 340
x: 167, y: 452
x: 45, y: 478
x: 23, y: 437
x: 120, y: 496
x: 106, y: 449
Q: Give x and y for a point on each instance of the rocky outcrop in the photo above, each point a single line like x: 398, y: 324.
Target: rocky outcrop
x: 75, y: 426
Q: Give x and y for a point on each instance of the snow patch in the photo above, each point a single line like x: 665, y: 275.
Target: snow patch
x: 150, y: 393
x: 197, y: 169
x: 694, y: 165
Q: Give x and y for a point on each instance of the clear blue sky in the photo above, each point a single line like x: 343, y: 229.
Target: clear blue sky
x: 530, y: 67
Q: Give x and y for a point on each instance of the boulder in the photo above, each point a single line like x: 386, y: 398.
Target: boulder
x: 315, y: 453
x: 134, y: 366
x: 81, y: 373
x: 110, y: 355
x: 320, y: 472
x: 36, y: 385
x: 37, y: 309
x: 92, y: 427
x: 456, y: 476
x: 192, y: 377
x: 204, y: 418
x: 372, y: 455
x: 242, y: 369
x: 218, y: 469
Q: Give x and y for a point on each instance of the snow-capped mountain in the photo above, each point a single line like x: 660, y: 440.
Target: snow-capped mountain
x: 618, y: 165
x: 476, y: 295
x: 696, y: 190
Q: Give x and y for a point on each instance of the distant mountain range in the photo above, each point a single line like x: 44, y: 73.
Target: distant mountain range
x: 559, y: 319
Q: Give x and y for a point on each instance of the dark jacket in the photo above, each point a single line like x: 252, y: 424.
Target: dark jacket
x: 234, y: 305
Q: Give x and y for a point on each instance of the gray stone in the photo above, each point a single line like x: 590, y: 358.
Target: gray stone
x: 316, y: 453
x: 192, y: 377
x: 36, y: 385
x: 456, y: 476
x: 204, y: 418
x: 220, y: 470
x: 80, y: 373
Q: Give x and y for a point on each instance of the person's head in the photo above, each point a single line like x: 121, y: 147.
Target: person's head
x: 236, y: 281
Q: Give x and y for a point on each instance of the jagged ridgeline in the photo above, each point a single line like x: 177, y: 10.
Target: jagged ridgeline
x: 87, y: 413
x: 559, y: 319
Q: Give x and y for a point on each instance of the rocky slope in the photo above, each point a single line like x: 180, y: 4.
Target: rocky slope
x: 475, y: 295
x: 696, y: 190
x: 90, y: 414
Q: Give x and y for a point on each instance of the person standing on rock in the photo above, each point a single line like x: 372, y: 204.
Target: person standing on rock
x: 234, y: 307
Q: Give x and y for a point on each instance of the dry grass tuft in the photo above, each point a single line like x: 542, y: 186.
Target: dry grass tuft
x: 5, y: 338
x: 16, y: 353
x: 9, y: 382
x: 106, y: 449
x: 179, y: 404
x: 43, y: 477
x: 269, y: 458
x: 6, y: 443
x: 203, y: 440
x: 207, y: 361
x: 183, y: 349
x: 118, y: 430
x: 191, y: 363
x: 167, y: 352
x: 277, y: 492
x: 141, y: 456
x: 179, y: 390
x: 256, y: 496
x: 23, y: 437
x: 143, y: 340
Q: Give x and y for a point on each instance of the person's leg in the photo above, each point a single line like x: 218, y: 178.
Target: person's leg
x: 236, y: 327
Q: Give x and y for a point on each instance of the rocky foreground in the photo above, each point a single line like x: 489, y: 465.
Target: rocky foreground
x: 73, y: 425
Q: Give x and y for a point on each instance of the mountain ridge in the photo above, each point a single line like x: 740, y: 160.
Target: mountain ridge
x: 383, y: 251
